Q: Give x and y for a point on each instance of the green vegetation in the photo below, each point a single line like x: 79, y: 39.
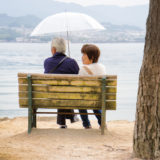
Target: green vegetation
x: 8, y: 35
x: 28, y: 21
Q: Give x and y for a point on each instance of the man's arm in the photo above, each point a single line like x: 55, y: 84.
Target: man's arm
x: 74, y: 67
x: 46, y: 66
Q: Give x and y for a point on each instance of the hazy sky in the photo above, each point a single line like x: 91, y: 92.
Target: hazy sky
x: 108, y: 2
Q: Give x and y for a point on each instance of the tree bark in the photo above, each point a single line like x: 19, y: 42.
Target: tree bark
x: 146, y: 140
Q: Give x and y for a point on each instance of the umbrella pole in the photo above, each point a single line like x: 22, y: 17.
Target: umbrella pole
x: 68, y: 44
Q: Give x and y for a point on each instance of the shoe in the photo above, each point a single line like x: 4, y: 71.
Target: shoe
x: 75, y: 119
x: 88, y: 127
x: 63, y: 127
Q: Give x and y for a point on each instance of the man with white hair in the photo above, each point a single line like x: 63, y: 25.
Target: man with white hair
x: 59, y: 63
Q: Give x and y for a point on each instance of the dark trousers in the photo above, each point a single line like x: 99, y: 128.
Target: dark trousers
x: 61, y: 118
x: 85, y: 119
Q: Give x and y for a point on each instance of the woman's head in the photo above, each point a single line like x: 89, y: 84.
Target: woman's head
x: 90, y: 53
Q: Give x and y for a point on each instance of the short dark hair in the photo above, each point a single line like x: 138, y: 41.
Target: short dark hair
x: 92, y: 51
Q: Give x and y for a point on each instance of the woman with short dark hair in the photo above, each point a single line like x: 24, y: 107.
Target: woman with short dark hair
x: 92, y: 52
x: 90, y: 57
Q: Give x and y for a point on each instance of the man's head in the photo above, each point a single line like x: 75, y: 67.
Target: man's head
x: 58, y: 45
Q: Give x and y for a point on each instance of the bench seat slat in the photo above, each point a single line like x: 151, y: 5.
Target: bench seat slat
x: 64, y: 76
x: 67, y: 89
x: 61, y: 82
x: 50, y: 103
x: 85, y: 96
x: 73, y: 89
x: 72, y: 82
x: 73, y: 107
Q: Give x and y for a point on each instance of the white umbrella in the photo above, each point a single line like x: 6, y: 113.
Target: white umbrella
x: 64, y: 22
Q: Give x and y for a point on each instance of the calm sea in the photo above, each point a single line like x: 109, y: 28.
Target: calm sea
x: 122, y: 59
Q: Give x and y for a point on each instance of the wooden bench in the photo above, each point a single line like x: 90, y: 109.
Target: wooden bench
x: 55, y: 91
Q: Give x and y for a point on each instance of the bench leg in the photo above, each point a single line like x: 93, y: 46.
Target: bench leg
x: 30, y: 120
x: 103, y: 121
x: 34, y: 124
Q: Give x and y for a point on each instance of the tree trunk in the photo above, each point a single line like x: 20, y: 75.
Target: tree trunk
x: 146, y: 141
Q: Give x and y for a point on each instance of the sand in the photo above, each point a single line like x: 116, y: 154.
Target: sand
x: 48, y: 142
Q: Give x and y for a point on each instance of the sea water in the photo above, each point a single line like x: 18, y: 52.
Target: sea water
x: 121, y: 59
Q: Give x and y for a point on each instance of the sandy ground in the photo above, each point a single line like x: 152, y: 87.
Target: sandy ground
x: 48, y: 142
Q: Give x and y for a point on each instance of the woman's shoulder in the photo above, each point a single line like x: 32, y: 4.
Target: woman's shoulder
x: 103, y: 68
x: 82, y: 70
x: 96, y: 65
x: 95, y: 68
x: 98, y: 68
x: 99, y: 64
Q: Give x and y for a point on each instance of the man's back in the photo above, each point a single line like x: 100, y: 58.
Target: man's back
x: 69, y: 65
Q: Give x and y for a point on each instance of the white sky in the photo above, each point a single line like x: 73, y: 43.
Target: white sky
x: 107, y: 2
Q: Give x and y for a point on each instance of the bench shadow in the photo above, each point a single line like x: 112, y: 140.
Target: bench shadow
x: 46, y: 132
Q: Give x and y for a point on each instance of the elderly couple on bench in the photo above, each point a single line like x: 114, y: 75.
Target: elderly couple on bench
x: 59, y: 63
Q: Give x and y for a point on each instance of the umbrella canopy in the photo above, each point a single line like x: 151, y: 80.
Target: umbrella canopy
x: 64, y: 22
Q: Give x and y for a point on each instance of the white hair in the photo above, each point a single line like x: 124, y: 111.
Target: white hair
x: 59, y: 44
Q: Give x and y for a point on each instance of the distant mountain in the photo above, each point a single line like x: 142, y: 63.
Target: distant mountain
x: 121, y: 28
x: 39, y: 8
x: 135, y: 15
x: 28, y: 21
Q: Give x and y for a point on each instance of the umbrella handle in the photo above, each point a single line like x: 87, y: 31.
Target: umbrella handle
x: 68, y: 44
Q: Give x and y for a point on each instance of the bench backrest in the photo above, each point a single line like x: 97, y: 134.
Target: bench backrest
x: 67, y: 91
